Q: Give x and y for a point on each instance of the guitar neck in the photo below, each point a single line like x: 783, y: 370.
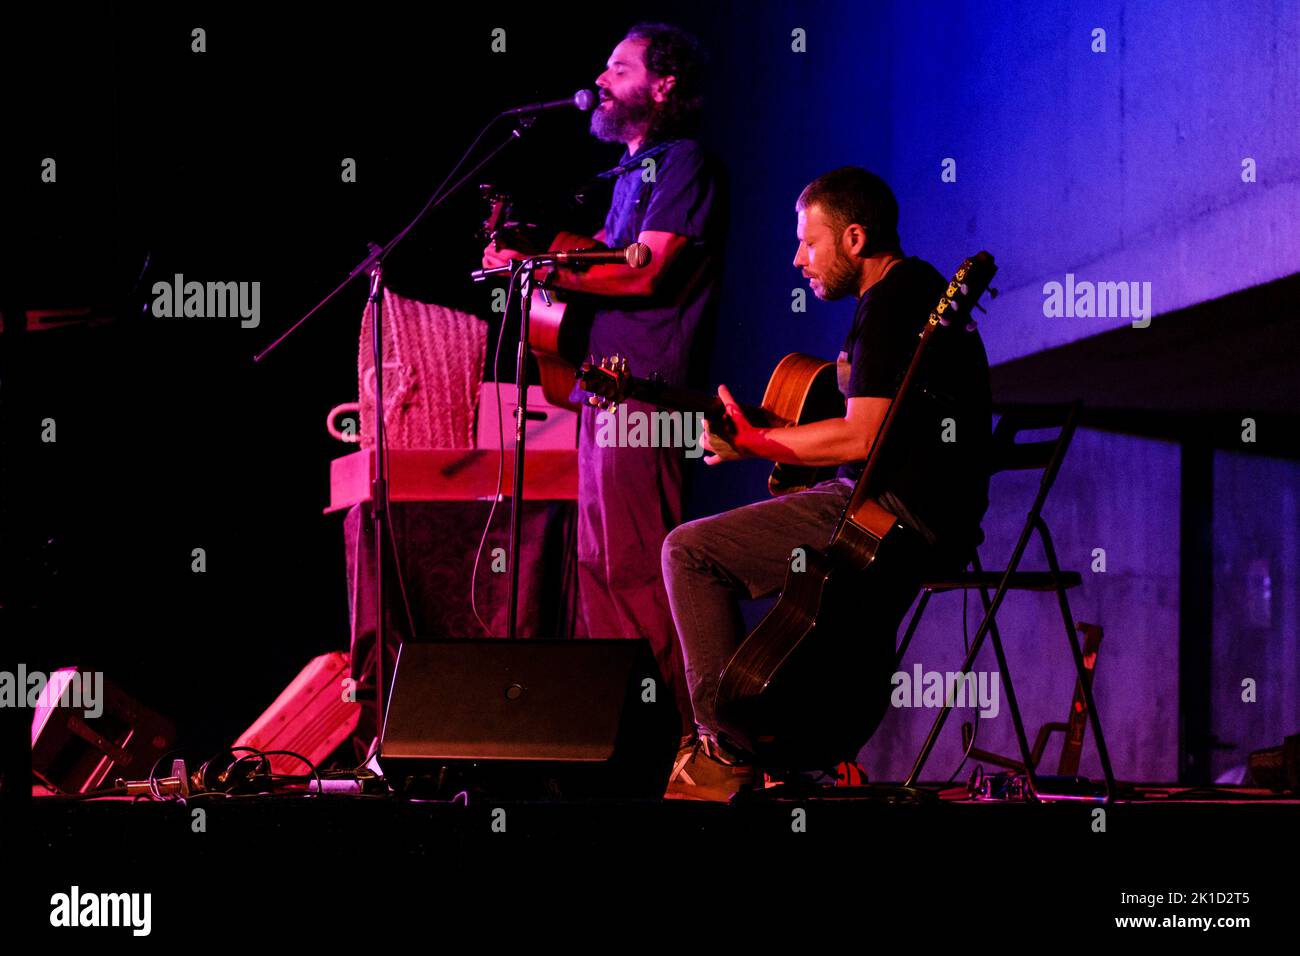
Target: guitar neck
x: 680, y: 399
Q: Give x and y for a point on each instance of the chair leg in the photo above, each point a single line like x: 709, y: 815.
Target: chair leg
x: 1021, y: 738
x: 996, y: 602
x: 988, y: 626
x: 933, y: 737
x: 911, y: 629
x: 1094, y: 718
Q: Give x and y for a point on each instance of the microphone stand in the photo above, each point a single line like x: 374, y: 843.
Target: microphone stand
x: 527, y: 272
x: 373, y: 266
x: 524, y: 272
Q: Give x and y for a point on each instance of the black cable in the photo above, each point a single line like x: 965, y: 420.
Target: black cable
x: 263, y: 754
x: 203, y: 767
x: 501, y: 460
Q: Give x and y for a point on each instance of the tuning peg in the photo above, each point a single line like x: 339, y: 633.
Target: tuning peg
x: 971, y: 325
x: 964, y: 288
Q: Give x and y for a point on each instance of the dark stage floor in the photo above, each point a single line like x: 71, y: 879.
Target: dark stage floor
x: 303, y: 867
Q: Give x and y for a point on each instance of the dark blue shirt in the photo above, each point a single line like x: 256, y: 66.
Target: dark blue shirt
x: 657, y: 332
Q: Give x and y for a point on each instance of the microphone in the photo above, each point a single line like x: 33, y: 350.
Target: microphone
x: 637, y: 255
x: 583, y: 100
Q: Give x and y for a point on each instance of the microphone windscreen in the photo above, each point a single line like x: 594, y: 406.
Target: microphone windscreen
x: 584, y: 100
x: 638, y: 255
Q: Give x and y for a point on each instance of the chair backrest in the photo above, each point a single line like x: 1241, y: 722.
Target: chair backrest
x: 1006, y: 454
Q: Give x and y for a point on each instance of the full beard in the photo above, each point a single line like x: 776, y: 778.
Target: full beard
x: 838, y: 281
x: 623, y: 119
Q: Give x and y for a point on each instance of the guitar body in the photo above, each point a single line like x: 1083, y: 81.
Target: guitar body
x: 802, y: 389
x: 811, y: 683
x: 557, y: 332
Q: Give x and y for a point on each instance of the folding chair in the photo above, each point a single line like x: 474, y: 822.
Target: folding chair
x: 1007, y: 455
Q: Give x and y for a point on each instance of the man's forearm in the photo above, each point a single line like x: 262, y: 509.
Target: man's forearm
x: 611, y: 280
x: 835, y: 441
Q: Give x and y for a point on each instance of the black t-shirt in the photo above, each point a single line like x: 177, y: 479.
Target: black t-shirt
x: 935, y: 461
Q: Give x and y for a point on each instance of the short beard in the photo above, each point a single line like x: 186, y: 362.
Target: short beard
x: 840, y: 280
x: 625, y: 119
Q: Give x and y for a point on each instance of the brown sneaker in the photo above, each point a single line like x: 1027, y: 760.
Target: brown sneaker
x: 697, y: 775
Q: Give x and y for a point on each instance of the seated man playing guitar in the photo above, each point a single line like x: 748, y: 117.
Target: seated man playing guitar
x: 934, y: 480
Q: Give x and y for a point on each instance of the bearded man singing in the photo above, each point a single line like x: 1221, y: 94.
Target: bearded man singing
x: 667, y: 195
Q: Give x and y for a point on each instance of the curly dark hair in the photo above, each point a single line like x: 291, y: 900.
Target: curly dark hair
x: 671, y: 51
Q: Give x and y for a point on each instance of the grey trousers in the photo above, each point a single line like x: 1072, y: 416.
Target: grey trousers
x: 628, y: 501
x: 709, y: 565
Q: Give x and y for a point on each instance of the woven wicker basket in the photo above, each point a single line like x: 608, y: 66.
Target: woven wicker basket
x: 433, y: 366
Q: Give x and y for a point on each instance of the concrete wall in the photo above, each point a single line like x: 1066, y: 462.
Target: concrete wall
x: 1123, y: 165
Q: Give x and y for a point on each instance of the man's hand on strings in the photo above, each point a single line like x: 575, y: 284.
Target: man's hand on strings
x: 741, y: 440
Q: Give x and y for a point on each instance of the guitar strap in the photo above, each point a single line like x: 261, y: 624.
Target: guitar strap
x: 700, y: 272
x: 632, y: 163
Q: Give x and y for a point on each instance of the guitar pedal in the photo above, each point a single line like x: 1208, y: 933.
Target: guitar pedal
x: 997, y: 786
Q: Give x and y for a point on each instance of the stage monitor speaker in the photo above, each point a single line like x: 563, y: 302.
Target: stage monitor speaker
x: 313, y: 716
x: 77, y: 751
x: 530, y: 719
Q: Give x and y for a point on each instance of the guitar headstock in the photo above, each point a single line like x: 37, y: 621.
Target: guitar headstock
x: 961, y: 298
x: 608, y: 382
x: 499, y: 204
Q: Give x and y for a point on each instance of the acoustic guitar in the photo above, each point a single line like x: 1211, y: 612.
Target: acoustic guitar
x: 801, y: 389
x: 557, y: 327
x: 810, y: 684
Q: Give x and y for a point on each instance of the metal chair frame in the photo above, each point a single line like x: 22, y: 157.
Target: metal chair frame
x: 1008, y: 455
